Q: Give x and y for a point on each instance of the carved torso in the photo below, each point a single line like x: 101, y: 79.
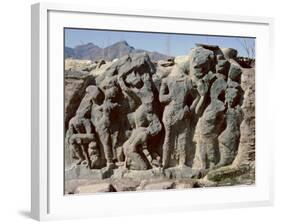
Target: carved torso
x: 178, y: 88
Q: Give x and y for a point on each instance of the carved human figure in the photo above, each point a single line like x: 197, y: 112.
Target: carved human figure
x: 229, y: 138
x: 145, y: 122
x: 102, y: 118
x: 78, y: 144
x: 201, y: 62
x: 208, y: 128
x: 81, y: 124
x: 175, y: 90
x: 137, y: 155
x: 137, y: 87
x: 222, y: 65
x: 96, y: 157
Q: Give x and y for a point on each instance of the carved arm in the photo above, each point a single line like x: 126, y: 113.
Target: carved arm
x: 163, y: 96
x: 155, y: 125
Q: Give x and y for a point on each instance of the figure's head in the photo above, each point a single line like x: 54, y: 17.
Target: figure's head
x: 201, y: 61
x: 148, y: 106
x: 222, y: 66
x: 111, y: 93
x: 94, y: 93
x: 134, y: 80
x: 93, y: 149
x: 177, y: 71
x: 109, y: 82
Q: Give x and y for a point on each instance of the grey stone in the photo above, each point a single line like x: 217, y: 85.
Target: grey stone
x: 166, y: 63
x: 125, y: 184
x: 246, y: 148
x: 229, y: 175
x: 183, y: 184
x: 74, y: 91
x: 201, y: 61
x: 235, y: 73
x: 183, y: 62
x: 174, y: 91
x: 179, y: 172
x: 156, y: 185
x: 82, y: 66
x: 208, y: 46
x: 82, y: 172
x: 95, y: 188
x: 229, y: 53
x: 133, y: 124
x: 222, y: 66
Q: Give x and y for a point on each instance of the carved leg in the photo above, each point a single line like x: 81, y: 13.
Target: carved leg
x: 182, y: 143
x: 167, y: 146
x: 200, y: 155
x: 88, y: 126
x: 78, y: 152
x: 227, y: 155
x: 114, y: 141
x: 86, y: 155
x: 136, y: 161
x: 211, y: 152
x: 126, y: 153
x: 106, y: 142
x: 134, y: 158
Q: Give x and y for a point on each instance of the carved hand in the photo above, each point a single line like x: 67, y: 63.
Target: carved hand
x: 202, y: 88
x: 186, y: 111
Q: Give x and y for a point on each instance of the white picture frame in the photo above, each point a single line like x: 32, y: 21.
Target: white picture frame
x: 48, y: 201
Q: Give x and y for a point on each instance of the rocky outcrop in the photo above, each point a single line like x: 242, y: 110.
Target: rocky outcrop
x: 134, y: 124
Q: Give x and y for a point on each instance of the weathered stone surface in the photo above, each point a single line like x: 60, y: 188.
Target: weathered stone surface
x: 74, y: 91
x: 82, y: 172
x: 183, y: 62
x: 73, y: 184
x: 229, y: 175
x: 97, y: 188
x: 166, y: 63
x: 211, y: 47
x: 229, y: 53
x: 235, y: 72
x: 125, y: 184
x: 183, y: 184
x: 201, y: 62
x: 229, y: 138
x: 159, y: 185
x: 222, y: 66
x: 79, y: 65
x: 144, y: 174
x: 179, y: 172
x: 246, y: 149
x: 133, y: 124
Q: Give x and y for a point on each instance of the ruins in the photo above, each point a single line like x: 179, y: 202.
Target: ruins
x: 137, y: 124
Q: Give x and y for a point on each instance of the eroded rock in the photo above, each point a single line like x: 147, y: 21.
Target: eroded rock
x: 133, y: 124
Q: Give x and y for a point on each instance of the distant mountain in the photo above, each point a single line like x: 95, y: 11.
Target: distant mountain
x: 93, y: 52
x: 68, y: 52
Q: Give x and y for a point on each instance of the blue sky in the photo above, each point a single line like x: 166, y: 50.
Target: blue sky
x: 172, y: 44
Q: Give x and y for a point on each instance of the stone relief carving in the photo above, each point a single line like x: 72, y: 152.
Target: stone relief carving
x: 185, y: 113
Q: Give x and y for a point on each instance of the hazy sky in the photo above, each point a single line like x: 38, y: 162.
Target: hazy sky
x: 172, y: 44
